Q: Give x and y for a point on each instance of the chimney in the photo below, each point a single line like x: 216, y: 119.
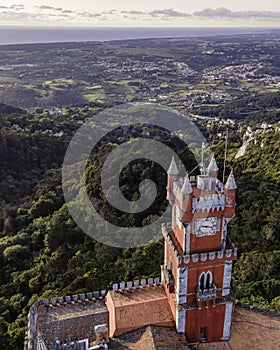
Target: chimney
x: 102, y: 334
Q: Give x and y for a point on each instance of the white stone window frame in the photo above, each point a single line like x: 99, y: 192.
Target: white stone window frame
x: 205, y: 274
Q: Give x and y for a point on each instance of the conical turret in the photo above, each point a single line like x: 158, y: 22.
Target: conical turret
x: 230, y: 192
x: 187, y: 187
x: 173, y: 170
x: 186, y: 195
x: 212, y: 169
x: 231, y: 184
x: 172, y: 176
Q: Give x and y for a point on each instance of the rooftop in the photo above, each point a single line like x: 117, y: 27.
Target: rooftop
x: 71, y: 321
x: 136, y: 308
x: 137, y: 295
x: 150, y: 338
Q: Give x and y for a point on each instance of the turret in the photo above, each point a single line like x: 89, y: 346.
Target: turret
x: 186, y: 196
x: 230, y: 192
x: 172, y: 176
x: 213, y: 169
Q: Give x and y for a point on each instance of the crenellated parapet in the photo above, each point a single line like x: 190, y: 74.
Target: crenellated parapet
x: 76, y: 298
x: 208, y: 203
x: 209, y: 256
x: 143, y: 283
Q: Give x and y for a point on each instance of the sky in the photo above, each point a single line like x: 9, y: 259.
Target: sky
x: 144, y: 13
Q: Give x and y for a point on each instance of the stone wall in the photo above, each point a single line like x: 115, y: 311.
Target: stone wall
x: 65, y: 318
x: 77, y: 326
x: 264, y: 311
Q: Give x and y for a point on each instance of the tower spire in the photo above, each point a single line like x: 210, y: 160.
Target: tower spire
x: 231, y: 184
x: 173, y: 170
x: 187, y: 187
x: 212, y: 169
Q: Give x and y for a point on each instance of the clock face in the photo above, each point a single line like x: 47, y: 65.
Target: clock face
x: 206, y: 226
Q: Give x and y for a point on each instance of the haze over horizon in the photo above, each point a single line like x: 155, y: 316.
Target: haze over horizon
x: 124, y: 13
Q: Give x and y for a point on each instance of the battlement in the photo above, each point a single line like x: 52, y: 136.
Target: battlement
x: 202, y: 257
x: 122, y: 286
x: 76, y: 298
x: 207, y: 203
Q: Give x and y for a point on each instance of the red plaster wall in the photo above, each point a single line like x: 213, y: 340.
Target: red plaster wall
x: 171, y: 301
x: 127, y: 317
x: 211, y: 318
x: 179, y: 233
x: 216, y: 267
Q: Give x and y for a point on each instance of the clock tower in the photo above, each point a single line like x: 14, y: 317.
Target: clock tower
x: 198, y: 255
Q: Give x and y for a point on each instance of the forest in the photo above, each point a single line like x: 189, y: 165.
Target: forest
x: 43, y: 253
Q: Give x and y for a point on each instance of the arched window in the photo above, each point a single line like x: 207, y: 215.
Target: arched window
x: 205, y: 280
x: 209, y: 280
x: 202, y: 281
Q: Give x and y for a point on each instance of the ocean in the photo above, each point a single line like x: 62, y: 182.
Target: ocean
x: 24, y: 35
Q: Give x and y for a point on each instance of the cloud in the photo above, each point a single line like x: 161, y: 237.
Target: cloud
x: 13, y: 16
x: 68, y: 11
x: 19, y: 6
x: 89, y: 14
x: 223, y: 12
x: 12, y: 7
x: 219, y: 12
x: 110, y: 12
x: 134, y: 12
x: 259, y: 14
x: 46, y: 7
x: 48, y: 14
x: 51, y: 15
x: 168, y: 13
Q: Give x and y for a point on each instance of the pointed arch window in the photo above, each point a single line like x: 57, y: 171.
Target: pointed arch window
x: 205, y: 280
x: 201, y: 281
x: 209, y: 280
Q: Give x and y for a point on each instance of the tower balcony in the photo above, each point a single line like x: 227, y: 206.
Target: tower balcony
x: 206, y: 293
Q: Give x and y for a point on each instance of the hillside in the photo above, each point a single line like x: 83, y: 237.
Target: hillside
x: 43, y: 253
x: 192, y: 73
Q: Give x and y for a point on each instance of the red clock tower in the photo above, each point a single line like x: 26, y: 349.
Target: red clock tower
x: 198, y: 255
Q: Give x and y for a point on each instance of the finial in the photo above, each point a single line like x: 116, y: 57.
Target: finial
x: 225, y: 156
x: 202, y: 165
